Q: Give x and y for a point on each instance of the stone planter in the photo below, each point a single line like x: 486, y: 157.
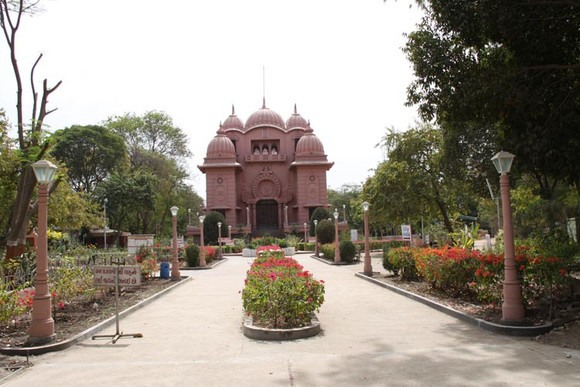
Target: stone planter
x: 249, y: 253
x: 258, y: 333
x: 289, y: 251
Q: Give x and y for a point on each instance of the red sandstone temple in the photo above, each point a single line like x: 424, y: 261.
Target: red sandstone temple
x: 266, y: 175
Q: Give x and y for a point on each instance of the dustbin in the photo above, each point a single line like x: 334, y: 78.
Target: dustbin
x: 164, y: 270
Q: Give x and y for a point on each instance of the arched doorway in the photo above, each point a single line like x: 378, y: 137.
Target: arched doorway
x: 267, y: 215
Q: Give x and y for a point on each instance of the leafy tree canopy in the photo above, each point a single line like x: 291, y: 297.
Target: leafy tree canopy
x: 90, y: 153
x: 502, y: 74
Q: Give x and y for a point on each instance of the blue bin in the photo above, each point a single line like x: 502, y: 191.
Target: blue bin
x: 164, y: 270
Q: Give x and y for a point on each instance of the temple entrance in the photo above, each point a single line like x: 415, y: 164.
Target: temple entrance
x: 267, y: 215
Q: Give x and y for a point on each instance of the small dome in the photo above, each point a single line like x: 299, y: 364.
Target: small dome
x: 309, y: 145
x: 233, y: 122
x: 221, y: 146
x: 296, y: 121
x: 265, y: 117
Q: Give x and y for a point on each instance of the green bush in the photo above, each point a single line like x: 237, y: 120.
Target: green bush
x: 210, y: 227
x: 327, y: 250
x: 402, y: 260
x: 192, y: 255
x: 319, y: 214
x: 347, y: 251
x: 305, y: 246
x: 325, y: 232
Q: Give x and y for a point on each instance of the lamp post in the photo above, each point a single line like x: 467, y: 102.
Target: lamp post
x: 336, y: 243
x: 105, y: 222
x: 175, y: 274
x: 41, y: 329
x: 316, y: 250
x: 305, y: 235
x: 513, y: 307
x: 220, y: 240
x: 368, y: 268
x: 229, y: 232
x: 202, y: 249
x: 189, y: 216
x: 248, y: 215
x: 344, y: 212
x: 285, y: 215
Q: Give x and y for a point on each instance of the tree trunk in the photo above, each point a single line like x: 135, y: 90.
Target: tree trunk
x: 16, y: 239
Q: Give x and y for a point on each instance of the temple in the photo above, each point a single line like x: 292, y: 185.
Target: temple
x: 266, y: 175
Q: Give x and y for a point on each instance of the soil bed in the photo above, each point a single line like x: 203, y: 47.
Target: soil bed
x: 566, y: 317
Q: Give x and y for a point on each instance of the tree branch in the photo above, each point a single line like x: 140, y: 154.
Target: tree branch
x: 34, y: 93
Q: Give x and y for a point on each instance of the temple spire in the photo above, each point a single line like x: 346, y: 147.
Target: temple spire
x: 295, y: 110
x: 233, y: 110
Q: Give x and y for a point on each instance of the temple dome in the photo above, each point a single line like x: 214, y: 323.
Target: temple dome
x: 265, y: 117
x: 221, y: 146
x: 296, y: 121
x: 309, y: 145
x: 233, y: 122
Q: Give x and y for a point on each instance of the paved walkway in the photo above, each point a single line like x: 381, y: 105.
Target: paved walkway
x: 371, y: 336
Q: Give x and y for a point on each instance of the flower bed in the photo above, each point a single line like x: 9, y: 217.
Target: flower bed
x: 473, y: 274
x: 278, y: 293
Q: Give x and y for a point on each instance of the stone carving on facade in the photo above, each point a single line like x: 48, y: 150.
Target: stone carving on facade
x: 266, y: 185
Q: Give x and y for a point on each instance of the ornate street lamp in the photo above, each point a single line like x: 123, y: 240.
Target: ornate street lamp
x: 220, y: 240
x: 368, y: 268
x: 41, y: 329
x: 285, y: 215
x: 344, y: 212
x: 316, y: 250
x: 229, y: 232
x: 305, y: 235
x: 248, y: 216
x: 336, y: 242
x: 189, y: 216
x: 175, y: 274
x: 513, y: 307
x: 202, y: 249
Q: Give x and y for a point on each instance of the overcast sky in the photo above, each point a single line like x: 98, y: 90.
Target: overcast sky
x: 340, y: 61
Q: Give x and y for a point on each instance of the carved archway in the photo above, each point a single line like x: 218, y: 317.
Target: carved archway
x: 266, y: 185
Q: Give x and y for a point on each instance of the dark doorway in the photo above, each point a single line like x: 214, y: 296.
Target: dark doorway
x: 267, y: 215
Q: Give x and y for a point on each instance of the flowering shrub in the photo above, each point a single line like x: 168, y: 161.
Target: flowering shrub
x: 450, y: 270
x: 279, y: 293
x: 210, y: 253
x: 147, y: 261
x: 13, y: 302
x: 402, y: 259
x: 470, y: 273
x: 270, y: 251
x: 70, y: 280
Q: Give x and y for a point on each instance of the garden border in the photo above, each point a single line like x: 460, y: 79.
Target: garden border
x: 511, y: 330
x: 59, y: 346
x: 252, y: 331
x: 332, y: 263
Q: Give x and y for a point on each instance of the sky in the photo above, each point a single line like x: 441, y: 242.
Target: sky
x: 339, y: 61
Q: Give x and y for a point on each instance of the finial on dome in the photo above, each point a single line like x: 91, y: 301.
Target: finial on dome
x: 233, y: 110
x: 263, y: 102
x: 221, y: 129
x: 295, y: 110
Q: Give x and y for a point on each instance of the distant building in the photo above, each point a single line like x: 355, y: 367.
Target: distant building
x: 266, y: 175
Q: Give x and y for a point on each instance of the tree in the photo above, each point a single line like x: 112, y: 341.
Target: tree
x: 318, y: 214
x: 502, y: 74
x: 210, y: 227
x: 9, y: 164
x: 30, y: 132
x: 346, y: 195
x: 153, y: 132
x: 90, y: 153
x: 412, y: 182
x: 70, y: 210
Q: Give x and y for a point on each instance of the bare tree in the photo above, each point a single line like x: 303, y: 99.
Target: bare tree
x: 30, y: 134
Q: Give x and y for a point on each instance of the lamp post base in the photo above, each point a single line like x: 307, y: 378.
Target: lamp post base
x: 38, y: 341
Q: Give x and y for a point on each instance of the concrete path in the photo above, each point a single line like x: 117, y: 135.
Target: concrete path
x: 371, y: 336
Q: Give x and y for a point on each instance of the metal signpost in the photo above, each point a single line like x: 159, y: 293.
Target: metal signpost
x: 115, y: 276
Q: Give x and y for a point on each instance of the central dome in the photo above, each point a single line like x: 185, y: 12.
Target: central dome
x: 265, y: 117
x: 233, y: 122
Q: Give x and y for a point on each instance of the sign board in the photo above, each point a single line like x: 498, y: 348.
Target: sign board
x: 354, y: 235
x: 406, y: 232
x: 180, y: 242
x: 135, y: 242
x: 128, y: 275
x: 426, y: 239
